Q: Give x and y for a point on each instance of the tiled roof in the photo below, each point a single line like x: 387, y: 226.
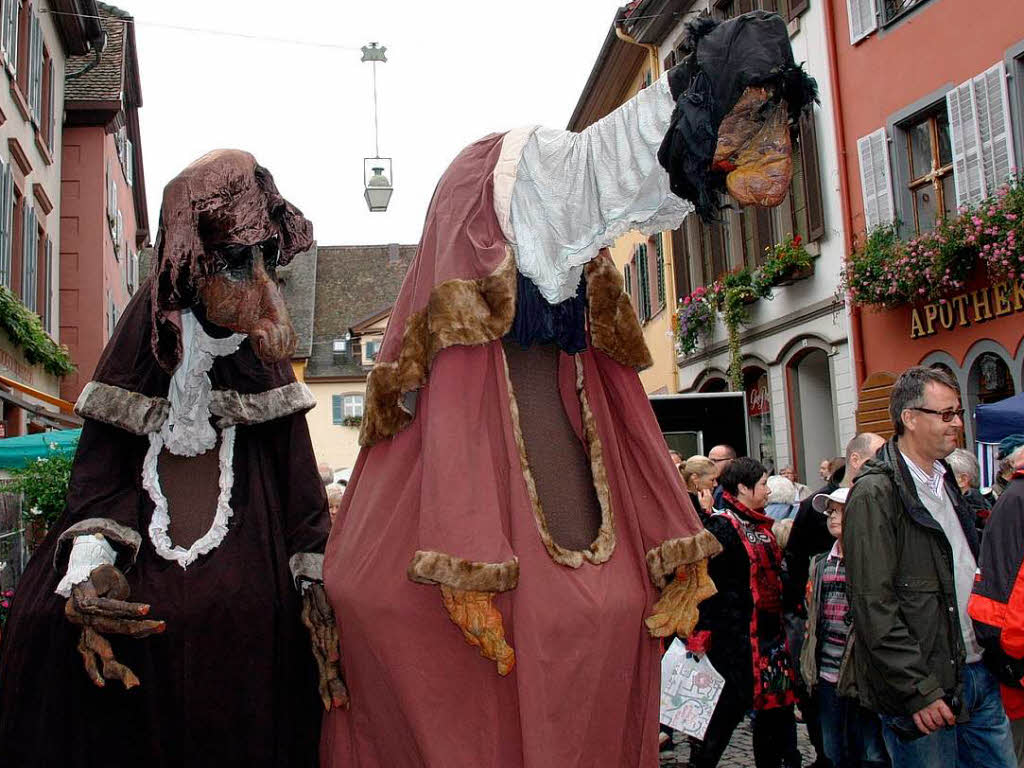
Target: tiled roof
x: 298, y: 286
x: 353, y: 282
x: 105, y: 81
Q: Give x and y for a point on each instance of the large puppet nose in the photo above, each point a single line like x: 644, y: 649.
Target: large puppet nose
x: 764, y: 167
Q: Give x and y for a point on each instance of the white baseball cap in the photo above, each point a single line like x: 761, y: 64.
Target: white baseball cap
x: 821, y: 500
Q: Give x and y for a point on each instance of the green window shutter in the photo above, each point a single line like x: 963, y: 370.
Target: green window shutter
x: 336, y: 408
x: 659, y: 247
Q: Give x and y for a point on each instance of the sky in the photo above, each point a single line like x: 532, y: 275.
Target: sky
x: 455, y: 72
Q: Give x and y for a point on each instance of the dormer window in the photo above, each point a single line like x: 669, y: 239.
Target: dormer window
x: 340, y: 346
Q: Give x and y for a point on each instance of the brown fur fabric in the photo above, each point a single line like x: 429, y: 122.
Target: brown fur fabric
x: 306, y: 566
x: 465, y: 312
x: 439, y: 568
x: 131, y: 411
x: 669, y: 555
x: 113, y: 531
x: 614, y: 328
x: 604, y: 544
x: 234, y: 408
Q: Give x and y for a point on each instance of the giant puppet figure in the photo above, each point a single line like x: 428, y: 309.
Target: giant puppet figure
x: 161, y: 622
x: 514, y: 492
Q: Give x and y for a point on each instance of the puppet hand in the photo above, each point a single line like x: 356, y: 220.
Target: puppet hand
x: 98, y: 605
x: 318, y: 617
x: 474, y: 613
x: 676, y: 611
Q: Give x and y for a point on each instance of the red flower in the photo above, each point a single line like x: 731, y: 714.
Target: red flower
x: 797, y: 240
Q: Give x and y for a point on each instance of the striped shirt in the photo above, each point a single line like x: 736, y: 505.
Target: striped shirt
x: 834, y: 622
x: 933, y: 480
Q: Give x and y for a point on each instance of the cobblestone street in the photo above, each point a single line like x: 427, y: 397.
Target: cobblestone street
x: 740, y: 753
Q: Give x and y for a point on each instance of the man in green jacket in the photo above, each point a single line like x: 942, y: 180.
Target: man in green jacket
x: 910, y: 547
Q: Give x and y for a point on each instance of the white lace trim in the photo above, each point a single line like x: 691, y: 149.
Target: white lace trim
x: 188, y: 431
x: 161, y: 521
x: 88, y: 552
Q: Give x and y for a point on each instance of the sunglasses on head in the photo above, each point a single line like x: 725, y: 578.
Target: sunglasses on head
x: 947, y: 415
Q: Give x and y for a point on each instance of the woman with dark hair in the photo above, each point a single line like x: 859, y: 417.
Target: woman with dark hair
x: 741, y: 627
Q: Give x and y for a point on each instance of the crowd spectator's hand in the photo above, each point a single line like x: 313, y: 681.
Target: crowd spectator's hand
x: 318, y: 617
x: 481, y: 624
x: 706, y: 499
x: 99, y: 606
x: 936, y: 715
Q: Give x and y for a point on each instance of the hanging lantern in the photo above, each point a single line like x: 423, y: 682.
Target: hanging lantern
x: 378, y: 184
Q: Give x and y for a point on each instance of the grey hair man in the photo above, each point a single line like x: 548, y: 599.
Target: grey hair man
x: 967, y: 474
x: 910, y: 547
x: 859, y: 450
x: 326, y: 473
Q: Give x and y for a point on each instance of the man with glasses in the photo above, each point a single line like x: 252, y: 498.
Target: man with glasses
x: 910, y: 548
x: 721, y: 455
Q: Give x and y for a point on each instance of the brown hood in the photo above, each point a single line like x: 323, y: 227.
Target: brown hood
x: 224, y: 197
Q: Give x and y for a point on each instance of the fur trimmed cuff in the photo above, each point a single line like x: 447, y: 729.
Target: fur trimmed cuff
x: 127, y: 540
x: 439, y: 568
x: 306, y: 566
x: 663, y: 560
x: 614, y: 328
x: 131, y: 411
x: 233, y: 408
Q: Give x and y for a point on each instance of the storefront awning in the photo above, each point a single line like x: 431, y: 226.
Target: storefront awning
x: 19, y: 451
x: 998, y: 420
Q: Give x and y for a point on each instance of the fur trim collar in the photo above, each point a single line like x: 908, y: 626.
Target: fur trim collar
x: 663, y: 560
x: 142, y: 415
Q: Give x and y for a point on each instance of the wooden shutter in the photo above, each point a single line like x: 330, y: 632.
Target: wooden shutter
x: 681, y: 262
x: 745, y: 6
x: 35, y: 68
x: 968, y: 176
x: 873, y: 404
x: 670, y: 61
x: 656, y: 270
x: 48, y: 287
x: 29, y: 258
x: 6, y: 221
x: 798, y: 7
x: 863, y: 17
x: 11, y: 33
x: 992, y: 109
x: 811, y: 177
x: 643, y: 281
x: 51, y: 127
x: 875, y: 179
x: 762, y: 232
x: 129, y: 159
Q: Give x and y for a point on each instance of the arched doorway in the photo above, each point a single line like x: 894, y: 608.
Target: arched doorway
x: 988, y: 381
x: 760, y: 431
x: 812, y: 407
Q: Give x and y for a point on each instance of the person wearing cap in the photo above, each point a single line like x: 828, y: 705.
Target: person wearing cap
x: 851, y: 734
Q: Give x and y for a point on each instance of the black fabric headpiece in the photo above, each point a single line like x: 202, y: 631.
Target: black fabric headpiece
x: 726, y: 58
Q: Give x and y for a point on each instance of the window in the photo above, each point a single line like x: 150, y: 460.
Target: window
x: 681, y: 262
x: 23, y: 32
x: 6, y: 222
x: 643, y: 282
x: 863, y: 15
x: 659, y: 268
x: 370, y: 351
x: 46, y: 289
x: 627, y: 277
x: 787, y: 9
x: 124, y: 154
x: 111, y: 198
x: 29, y: 257
x: 118, y: 234
x: 35, y: 71
x: 346, y: 407
x: 893, y: 9
x: 48, y: 126
x: 9, y: 33
x: 929, y: 170
x: 979, y: 133
x: 339, y: 346
x: 875, y: 179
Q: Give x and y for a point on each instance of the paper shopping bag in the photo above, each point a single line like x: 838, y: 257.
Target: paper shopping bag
x: 690, y: 688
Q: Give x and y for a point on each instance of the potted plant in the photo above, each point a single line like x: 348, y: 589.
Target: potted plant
x: 693, y: 320
x: 352, y: 421
x: 786, y: 263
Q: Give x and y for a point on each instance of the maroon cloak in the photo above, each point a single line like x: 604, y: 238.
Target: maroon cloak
x: 443, y: 493
x: 232, y: 681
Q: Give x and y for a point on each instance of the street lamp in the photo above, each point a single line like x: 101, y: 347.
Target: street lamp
x: 378, y: 186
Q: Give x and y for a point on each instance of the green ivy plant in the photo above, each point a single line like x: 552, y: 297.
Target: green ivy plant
x: 25, y: 330
x: 44, y: 485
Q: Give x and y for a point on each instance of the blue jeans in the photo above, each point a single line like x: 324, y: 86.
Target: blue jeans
x: 983, y: 741
x: 851, y: 735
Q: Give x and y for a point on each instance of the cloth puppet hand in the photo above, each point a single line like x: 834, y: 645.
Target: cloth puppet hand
x: 98, y: 605
x: 676, y: 611
x: 474, y: 613
x: 318, y: 617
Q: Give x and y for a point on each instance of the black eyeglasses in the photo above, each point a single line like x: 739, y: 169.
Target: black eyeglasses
x: 947, y: 415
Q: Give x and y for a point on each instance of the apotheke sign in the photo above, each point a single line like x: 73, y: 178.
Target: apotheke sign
x: 965, y: 309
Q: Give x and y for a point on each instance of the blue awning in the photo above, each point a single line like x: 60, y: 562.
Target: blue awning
x: 998, y: 420
x: 18, y: 451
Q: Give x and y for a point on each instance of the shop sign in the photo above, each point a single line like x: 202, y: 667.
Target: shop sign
x: 996, y: 300
x: 758, y: 401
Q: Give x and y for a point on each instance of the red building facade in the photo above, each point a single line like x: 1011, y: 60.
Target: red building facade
x: 930, y: 116
x: 104, y: 220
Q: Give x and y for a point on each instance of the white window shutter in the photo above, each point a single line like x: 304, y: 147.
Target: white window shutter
x: 863, y: 18
x: 129, y: 169
x: 876, y: 179
x: 6, y: 190
x: 35, y: 68
x: 992, y: 108
x: 968, y: 177
x: 51, y: 129
x: 10, y: 33
x: 48, y: 293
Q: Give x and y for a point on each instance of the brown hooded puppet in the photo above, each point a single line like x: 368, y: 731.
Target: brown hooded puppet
x: 514, y: 491
x: 161, y: 622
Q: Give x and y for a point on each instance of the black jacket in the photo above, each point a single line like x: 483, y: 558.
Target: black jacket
x: 909, y: 648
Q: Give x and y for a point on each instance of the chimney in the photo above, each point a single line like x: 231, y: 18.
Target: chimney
x: 392, y: 253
